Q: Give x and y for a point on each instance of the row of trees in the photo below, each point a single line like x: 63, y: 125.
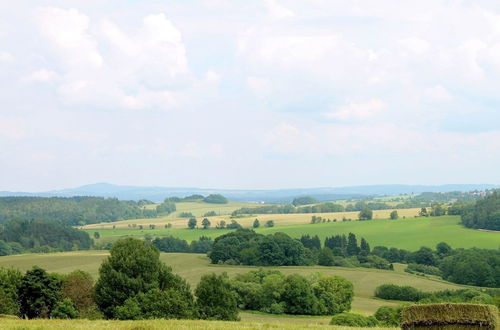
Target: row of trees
x: 18, y: 236
x: 173, y: 244
x: 133, y: 284
x: 271, y: 291
x: 409, y: 293
x: 206, y: 224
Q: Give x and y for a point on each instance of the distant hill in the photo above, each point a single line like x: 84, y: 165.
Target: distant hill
x: 269, y: 196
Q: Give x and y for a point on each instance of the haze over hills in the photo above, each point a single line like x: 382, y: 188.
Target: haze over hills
x: 157, y: 194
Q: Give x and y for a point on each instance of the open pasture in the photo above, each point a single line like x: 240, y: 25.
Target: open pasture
x: 193, y: 266
x: 409, y: 233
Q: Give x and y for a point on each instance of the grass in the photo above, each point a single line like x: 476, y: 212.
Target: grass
x: 193, y: 266
x: 160, y: 324
x: 409, y: 233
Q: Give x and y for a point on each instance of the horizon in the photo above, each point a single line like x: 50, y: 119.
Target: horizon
x: 271, y: 94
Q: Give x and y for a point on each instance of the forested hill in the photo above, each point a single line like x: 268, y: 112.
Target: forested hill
x: 71, y: 211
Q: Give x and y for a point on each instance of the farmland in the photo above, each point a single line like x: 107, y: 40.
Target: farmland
x: 193, y: 266
x: 410, y: 233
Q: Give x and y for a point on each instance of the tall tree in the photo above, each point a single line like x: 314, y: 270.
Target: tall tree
x: 192, y: 223
x: 205, y: 223
x: 352, y: 245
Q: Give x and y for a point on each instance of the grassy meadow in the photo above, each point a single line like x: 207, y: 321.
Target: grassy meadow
x: 8, y: 323
x: 410, y: 233
x: 193, y: 266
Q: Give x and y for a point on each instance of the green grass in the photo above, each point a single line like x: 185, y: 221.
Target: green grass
x: 7, y: 323
x: 193, y: 266
x: 409, y: 233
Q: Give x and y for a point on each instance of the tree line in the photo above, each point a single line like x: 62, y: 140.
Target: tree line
x: 74, y: 211
x: 20, y: 236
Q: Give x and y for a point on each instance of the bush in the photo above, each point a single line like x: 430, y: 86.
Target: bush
x: 424, y: 269
x: 156, y: 304
x: 64, y: 310
x: 389, y: 316
x: 354, y: 320
x: 396, y: 292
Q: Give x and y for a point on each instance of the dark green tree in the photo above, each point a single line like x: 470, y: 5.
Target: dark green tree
x: 325, y: 257
x: 38, y: 293
x: 364, y: 247
x: 216, y: 300
x: 256, y: 223
x: 270, y: 223
x: 192, y: 223
x: 394, y: 215
x: 352, y: 248
x: 205, y: 223
x: 298, y: 296
x: 365, y: 214
x: 133, y: 267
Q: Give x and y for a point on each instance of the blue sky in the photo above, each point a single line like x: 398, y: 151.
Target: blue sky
x: 240, y: 94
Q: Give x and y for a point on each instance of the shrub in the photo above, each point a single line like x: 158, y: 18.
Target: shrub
x: 64, y: 310
x: 396, y: 292
x: 354, y: 320
x: 215, y: 199
x: 418, y: 268
x: 389, y: 316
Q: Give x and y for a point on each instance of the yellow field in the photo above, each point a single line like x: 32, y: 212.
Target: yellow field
x: 279, y: 219
x: 9, y: 323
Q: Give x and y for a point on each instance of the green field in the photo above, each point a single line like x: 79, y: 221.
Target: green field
x: 409, y: 233
x: 193, y: 266
x: 8, y: 323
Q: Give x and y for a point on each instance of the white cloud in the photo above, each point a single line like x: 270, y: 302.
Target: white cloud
x: 277, y: 11
x: 416, y: 45
x: 259, y: 86
x: 5, y: 57
x: 212, y: 77
x: 358, y: 111
x: 42, y: 75
x: 438, y: 93
x: 107, y: 67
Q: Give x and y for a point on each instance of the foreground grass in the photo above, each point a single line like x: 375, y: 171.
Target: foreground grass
x: 409, y: 233
x: 193, y: 266
x: 157, y: 324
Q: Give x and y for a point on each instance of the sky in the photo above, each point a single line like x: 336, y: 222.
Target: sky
x: 248, y: 94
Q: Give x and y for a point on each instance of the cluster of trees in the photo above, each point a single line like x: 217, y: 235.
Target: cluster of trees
x: 166, y: 207
x: 190, y: 198
x: 18, y: 236
x: 409, y: 293
x: 473, y: 266
x: 133, y: 284
x: 484, y: 214
x: 271, y: 291
x: 74, y: 211
x: 37, y: 294
x: 305, y: 200
x: 246, y: 247
x: 215, y: 199
x: 173, y: 244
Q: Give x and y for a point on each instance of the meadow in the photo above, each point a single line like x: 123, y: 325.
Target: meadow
x: 8, y: 323
x: 193, y: 266
x: 410, y: 233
